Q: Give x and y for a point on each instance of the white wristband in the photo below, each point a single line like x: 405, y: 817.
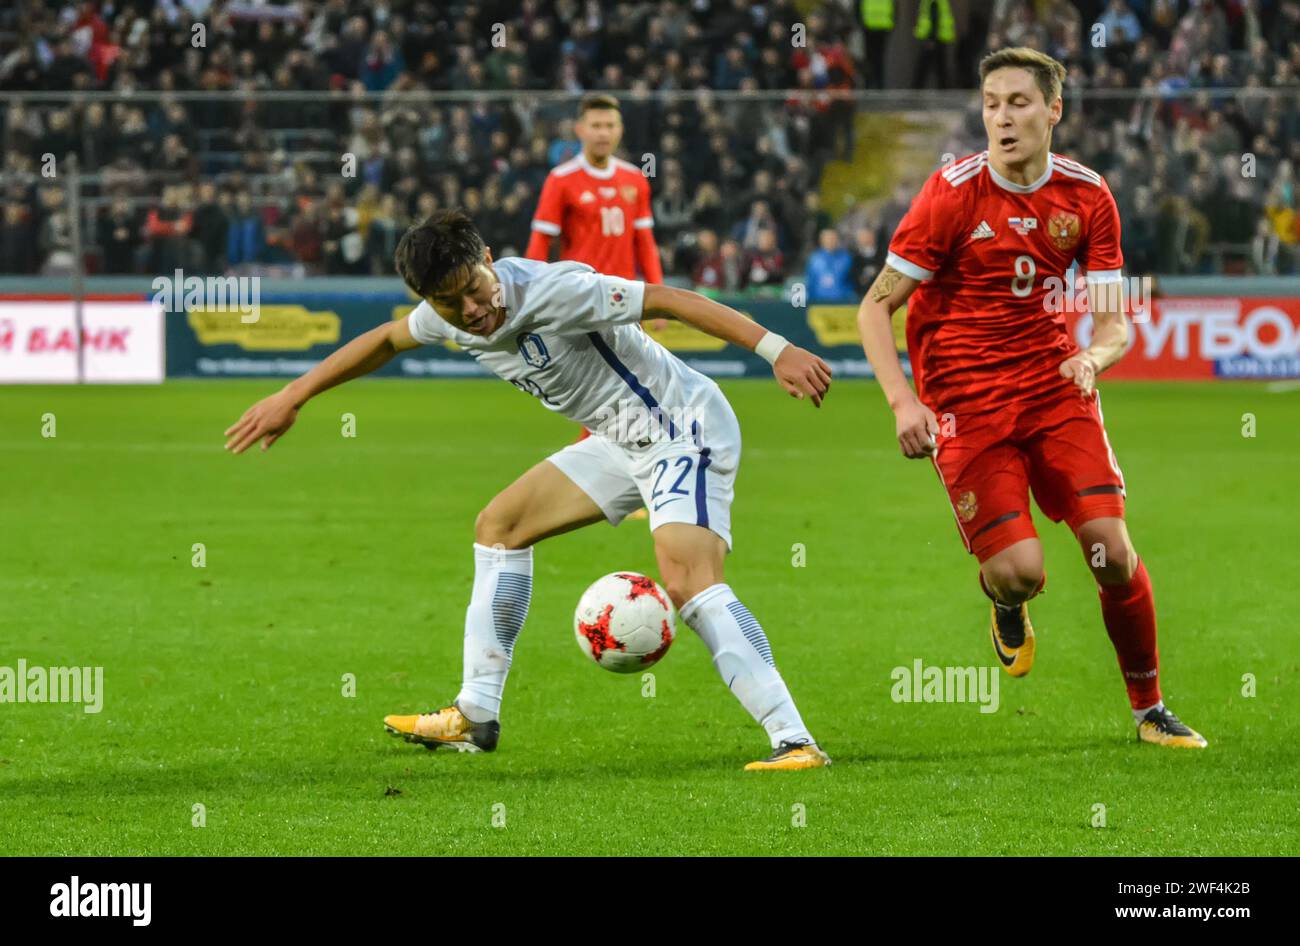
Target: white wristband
x: 770, y: 347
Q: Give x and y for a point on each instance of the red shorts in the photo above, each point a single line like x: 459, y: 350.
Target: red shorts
x: 1057, y: 448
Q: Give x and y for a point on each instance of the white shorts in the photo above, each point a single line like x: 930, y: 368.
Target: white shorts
x: 690, y: 479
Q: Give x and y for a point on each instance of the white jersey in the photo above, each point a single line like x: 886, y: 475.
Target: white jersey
x: 571, y: 339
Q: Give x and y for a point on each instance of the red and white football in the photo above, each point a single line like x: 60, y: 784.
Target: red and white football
x: 625, y: 622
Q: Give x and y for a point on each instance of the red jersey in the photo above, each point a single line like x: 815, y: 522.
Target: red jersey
x: 602, y: 217
x: 988, y: 252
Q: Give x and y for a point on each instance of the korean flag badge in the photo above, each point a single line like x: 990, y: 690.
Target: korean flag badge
x: 617, y: 299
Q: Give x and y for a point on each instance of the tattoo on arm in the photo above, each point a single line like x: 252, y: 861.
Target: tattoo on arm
x: 885, y: 283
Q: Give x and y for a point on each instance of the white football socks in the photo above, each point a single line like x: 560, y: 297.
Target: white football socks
x: 743, y: 657
x: 503, y: 588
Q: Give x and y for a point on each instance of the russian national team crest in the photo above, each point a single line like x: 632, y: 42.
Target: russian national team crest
x: 967, y: 506
x: 629, y: 193
x: 534, y: 350
x: 1063, y: 228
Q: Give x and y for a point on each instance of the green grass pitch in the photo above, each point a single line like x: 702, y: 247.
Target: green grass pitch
x: 223, y: 685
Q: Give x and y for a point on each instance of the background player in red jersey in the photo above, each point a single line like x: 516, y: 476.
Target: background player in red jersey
x: 597, y: 204
x: 1005, y: 400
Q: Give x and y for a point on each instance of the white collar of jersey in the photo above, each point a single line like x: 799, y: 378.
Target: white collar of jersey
x: 1005, y: 184
x: 603, y: 174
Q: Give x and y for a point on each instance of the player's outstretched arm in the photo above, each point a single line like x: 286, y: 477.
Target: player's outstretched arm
x: 271, y: 417
x: 1109, y: 336
x: 914, y: 423
x: 798, y: 370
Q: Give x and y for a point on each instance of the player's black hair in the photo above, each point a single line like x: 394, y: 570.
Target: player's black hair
x: 446, y: 243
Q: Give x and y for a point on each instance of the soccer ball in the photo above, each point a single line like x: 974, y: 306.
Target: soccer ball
x: 624, y: 622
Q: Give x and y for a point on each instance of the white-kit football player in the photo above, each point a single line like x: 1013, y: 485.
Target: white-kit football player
x: 664, y: 438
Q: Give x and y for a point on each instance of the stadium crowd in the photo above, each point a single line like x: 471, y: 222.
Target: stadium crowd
x: 328, y: 182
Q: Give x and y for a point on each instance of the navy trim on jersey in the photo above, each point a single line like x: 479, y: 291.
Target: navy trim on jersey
x: 631, y: 380
x: 701, y: 496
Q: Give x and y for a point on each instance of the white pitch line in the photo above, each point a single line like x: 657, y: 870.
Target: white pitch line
x: 1282, y: 387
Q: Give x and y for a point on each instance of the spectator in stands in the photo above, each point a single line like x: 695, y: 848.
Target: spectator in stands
x: 386, y: 228
x: 764, y: 265
x: 67, y: 70
x: 1138, y: 232
x: 54, y: 237
x: 351, y: 47
x: 1286, y: 28
x: 133, y: 140
x: 936, y: 30
x: 382, y: 63
x: 1265, y: 250
x: 868, y: 257
x: 172, y: 120
x: 708, y: 207
x: 731, y: 68
x: 174, y: 158
x: 672, y: 210
x: 1280, y: 206
x: 707, y: 274
x: 346, y: 57
x: 731, y: 266
x: 1182, y: 233
x: 211, y: 229
x: 1119, y: 25
x: 167, y: 228
x: 59, y: 139
x: 344, y: 247
x: 306, y: 237
x: 877, y: 23
x: 119, y: 238
x: 811, y: 220
x: 516, y: 218
x: 96, y: 138
x: 829, y: 276
x: 247, y: 234
x: 18, y: 249
x: 1230, y: 214
x: 760, y: 220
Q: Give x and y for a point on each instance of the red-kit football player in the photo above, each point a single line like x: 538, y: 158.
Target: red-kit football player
x: 597, y: 204
x: 1005, y: 401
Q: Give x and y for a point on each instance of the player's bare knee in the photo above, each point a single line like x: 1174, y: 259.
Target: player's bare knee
x: 1109, y: 552
x: 1012, y: 581
x: 683, y: 580
x: 682, y: 591
x: 497, y: 526
x: 678, y: 582
x: 1113, y: 563
x: 677, y: 591
x: 1021, y: 585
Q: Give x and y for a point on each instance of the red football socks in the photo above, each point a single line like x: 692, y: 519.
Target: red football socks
x: 1130, y: 614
